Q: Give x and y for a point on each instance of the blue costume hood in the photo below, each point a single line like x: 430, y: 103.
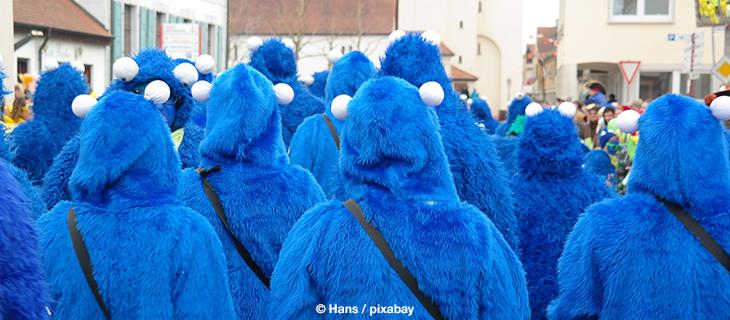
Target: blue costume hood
x: 550, y: 147
x: 483, y: 114
x: 114, y: 165
x: 320, y: 82
x: 515, y: 109
x: 56, y: 90
x: 374, y: 154
x: 347, y: 75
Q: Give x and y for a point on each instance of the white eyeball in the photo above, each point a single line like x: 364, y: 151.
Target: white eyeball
x: 284, y: 93
x: 125, y: 69
x: 78, y: 66
x: 567, y: 109
x: 463, y: 97
x: 254, y: 43
x: 395, y: 35
x: 205, y: 64
x: 157, y: 91
x: 339, y: 106
x: 82, y: 104
x: 201, y: 90
x: 469, y: 102
x: 50, y: 65
x: 628, y: 121
x: 533, y: 109
x: 334, y: 55
x: 186, y: 73
x: 483, y: 97
x: 519, y: 95
x: 432, y: 94
x: 306, y: 79
x: 721, y: 108
x: 288, y: 43
x: 432, y: 37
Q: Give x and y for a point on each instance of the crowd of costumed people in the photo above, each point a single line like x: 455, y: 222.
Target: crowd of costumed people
x: 372, y: 189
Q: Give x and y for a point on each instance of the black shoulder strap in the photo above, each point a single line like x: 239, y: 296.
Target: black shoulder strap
x: 408, y: 279
x: 82, y: 254
x: 242, y: 251
x: 333, y: 131
x: 700, y: 233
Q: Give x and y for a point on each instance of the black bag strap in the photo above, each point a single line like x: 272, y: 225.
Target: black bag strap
x: 82, y: 254
x: 700, y: 233
x: 218, y: 207
x: 408, y: 279
x: 333, y: 131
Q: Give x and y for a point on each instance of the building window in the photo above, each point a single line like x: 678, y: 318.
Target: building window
x: 22, y: 66
x: 641, y: 10
x: 160, y: 19
x: 654, y: 84
x: 127, y: 30
x: 212, y: 40
x: 461, y: 24
x: 480, y: 6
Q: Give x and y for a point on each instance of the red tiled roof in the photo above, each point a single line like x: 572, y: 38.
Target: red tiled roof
x: 65, y: 15
x: 461, y: 75
x: 337, y: 17
x: 445, y: 51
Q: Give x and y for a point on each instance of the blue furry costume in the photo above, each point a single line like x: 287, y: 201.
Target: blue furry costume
x: 37, y: 205
x: 394, y: 165
x: 479, y: 176
x: 152, y: 257
x: 515, y: 110
x: 37, y: 141
x: 630, y: 258
x: 550, y: 192
x: 483, y: 114
x: 261, y: 193
x: 313, y: 146
x: 278, y: 63
x: 22, y: 285
x: 320, y: 83
x: 598, y: 162
x: 154, y: 64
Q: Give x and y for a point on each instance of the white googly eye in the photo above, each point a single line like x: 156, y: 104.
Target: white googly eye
x: 186, y: 73
x: 469, y: 102
x: 306, y: 79
x: 432, y: 37
x: 519, y: 95
x: 567, y: 109
x: 157, y: 91
x: 628, y: 121
x: 339, y: 106
x: 533, y: 109
x: 50, y: 65
x: 483, y: 97
x: 463, y: 97
x: 284, y: 93
x: 78, y: 66
x: 288, y: 43
x: 82, y: 104
x: 432, y: 94
x: 254, y: 43
x: 201, y: 91
x: 125, y: 69
x: 395, y: 35
x: 205, y: 64
x: 720, y: 108
x: 334, y: 55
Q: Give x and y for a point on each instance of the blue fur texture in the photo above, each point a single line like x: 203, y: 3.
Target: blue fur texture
x: 313, y: 146
x: 37, y: 141
x: 152, y: 257
x: 479, y: 176
x: 154, y: 64
x: 22, y: 287
x: 262, y: 194
x: 320, y: 83
x: 278, y: 63
x: 394, y: 164
x: 483, y: 114
x: 598, y: 162
x: 515, y: 109
x: 630, y: 258
x: 507, y: 150
x: 550, y: 191
x: 37, y: 205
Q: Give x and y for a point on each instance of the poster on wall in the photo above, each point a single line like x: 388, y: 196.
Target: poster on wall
x: 181, y: 40
x: 712, y: 13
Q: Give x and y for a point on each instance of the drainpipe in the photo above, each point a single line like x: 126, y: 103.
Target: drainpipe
x: 40, y: 50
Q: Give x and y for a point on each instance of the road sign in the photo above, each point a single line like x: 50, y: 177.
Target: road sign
x: 629, y: 70
x: 693, y: 51
x: 181, y: 40
x: 721, y: 70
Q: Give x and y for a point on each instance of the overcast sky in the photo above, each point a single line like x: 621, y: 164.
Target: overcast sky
x: 538, y: 13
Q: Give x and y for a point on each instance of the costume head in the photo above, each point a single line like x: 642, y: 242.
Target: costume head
x: 549, y: 146
x: 275, y: 60
x: 319, y: 83
x: 483, y: 114
x: 516, y: 118
x: 598, y: 162
x: 390, y: 139
x: 346, y: 77
x: 148, y: 65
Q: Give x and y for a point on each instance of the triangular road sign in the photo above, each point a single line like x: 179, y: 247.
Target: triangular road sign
x: 629, y: 69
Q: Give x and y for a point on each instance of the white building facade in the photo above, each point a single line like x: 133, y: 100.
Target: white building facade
x: 593, y: 36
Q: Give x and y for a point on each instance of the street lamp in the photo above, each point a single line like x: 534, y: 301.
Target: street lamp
x: 30, y: 36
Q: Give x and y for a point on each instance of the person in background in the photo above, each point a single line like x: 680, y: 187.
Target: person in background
x: 612, y: 98
x: 597, y: 95
x: 589, y: 126
x: 19, y: 112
